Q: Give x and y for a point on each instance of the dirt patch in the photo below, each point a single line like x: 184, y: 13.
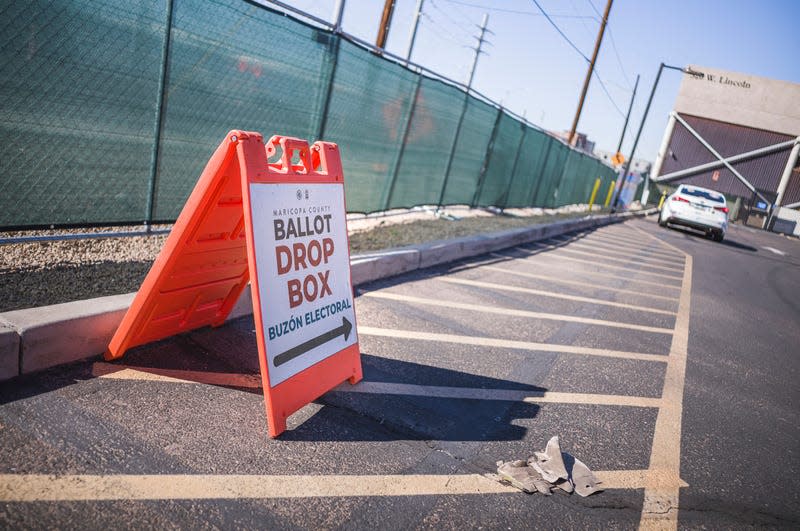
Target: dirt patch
x: 51, y: 272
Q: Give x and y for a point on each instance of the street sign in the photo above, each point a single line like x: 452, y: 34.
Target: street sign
x: 281, y: 225
x: 617, y: 159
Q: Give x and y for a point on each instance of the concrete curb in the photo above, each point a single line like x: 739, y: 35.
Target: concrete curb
x: 39, y: 338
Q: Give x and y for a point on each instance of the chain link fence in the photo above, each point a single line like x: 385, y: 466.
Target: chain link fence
x: 110, y: 109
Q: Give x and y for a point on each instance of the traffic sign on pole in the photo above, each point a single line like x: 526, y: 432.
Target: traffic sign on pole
x: 281, y: 225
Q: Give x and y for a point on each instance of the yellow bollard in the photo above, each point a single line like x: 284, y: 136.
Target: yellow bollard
x: 610, y: 192
x: 594, y: 193
x: 661, y: 202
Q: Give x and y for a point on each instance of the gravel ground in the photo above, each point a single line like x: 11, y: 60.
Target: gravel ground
x: 52, y: 272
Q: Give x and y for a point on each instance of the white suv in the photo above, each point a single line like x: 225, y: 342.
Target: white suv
x: 696, y: 208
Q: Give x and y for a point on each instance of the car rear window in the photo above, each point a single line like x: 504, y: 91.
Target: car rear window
x: 705, y: 194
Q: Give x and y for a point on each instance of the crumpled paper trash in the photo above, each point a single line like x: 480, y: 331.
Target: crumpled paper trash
x: 547, y: 470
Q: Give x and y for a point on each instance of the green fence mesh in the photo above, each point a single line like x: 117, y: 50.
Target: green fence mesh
x: 85, y: 143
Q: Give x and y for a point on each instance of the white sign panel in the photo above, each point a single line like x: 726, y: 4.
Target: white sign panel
x: 303, y: 269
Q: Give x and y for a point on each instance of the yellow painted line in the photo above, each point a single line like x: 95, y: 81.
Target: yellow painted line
x: 602, y: 252
x: 116, y: 372
x: 627, y: 244
x: 504, y: 395
x: 634, y: 232
x: 513, y: 312
x: 660, y: 508
x: 660, y: 241
x: 552, y: 294
x: 62, y: 488
x: 614, y: 259
x: 601, y: 265
x: 508, y: 343
x: 584, y: 284
x: 124, y: 372
x: 598, y: 274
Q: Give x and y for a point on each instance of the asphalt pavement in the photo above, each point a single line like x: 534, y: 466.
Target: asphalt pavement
x: 664, y: 361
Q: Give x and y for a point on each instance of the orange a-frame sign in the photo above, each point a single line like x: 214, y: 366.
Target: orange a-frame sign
x: 281, y: 226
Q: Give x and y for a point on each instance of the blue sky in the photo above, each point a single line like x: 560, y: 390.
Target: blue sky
x: 530, y: 68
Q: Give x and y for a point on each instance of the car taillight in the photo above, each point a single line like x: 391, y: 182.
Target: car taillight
x: 722, y: 209
x: 679, y: 198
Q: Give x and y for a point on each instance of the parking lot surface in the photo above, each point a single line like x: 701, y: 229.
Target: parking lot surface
x: 664, y: 361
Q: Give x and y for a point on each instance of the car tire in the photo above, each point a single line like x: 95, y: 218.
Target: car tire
x: 718, y: 236
x: 661, y: 222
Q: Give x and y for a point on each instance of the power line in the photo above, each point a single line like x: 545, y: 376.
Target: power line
x: 555, y: 26
x: 515, y: 11
x: 434, y: 24
x: 574, y: 47
x: 450, y: 19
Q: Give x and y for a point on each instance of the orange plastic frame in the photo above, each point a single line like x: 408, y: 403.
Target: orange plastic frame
x: 209, y: 257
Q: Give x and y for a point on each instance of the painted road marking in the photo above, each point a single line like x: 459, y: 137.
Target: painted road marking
x: 503, y: 395
x: 598, y: 274
x: 774, y: 250
x: 661, y: 501
x: 595, y: 249
x: 626, y: 243
x: 595, y: 263
x: 42, y: 487
x: 584, y: 284
x: 513, y: 312
x: 154, y: 374
x: 566, y: 247
x: 508, y: 343
x: 647, y: 253
x: 552, y: 294
x: 127, y: 372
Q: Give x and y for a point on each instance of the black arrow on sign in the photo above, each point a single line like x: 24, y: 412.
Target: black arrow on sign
x: 321, y: 339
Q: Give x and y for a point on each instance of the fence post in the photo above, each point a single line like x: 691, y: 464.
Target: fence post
x: 535, y: 193
x: 334, y: 55
x: 406, y: 128
x: 486, y: 158
x: 453, y: 150
x: 159, y: 119
x: 514, y: 166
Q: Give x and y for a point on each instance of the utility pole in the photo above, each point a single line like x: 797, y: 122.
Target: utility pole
x: 589, y: 72
x: 386, y: 22
x: 628, y: 116
x: 481, y: 40
x: 414, y: 30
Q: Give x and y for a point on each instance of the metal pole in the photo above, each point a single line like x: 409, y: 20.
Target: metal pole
x: 627, y: 164
x: 386, y: 22
x: 449, y: 165
x: 627, y: 116
x: 334, y: 56
x: 694, y: 170
x: 588, y: 79
x: 414, y: 30
x: 543, y: 166
x: 662, y: 151
x: 159, y: 118
x: 407, y: 128
x: 787, y: 172
x: 514, y: 166
x: 338, y: 13
x: 486, y: 158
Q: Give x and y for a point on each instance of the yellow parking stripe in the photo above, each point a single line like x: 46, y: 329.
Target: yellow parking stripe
x: 584, y: 284
x: 504, y: 395
x: 513, y: 312
x: 551, y: 294
x: 43, y: 487
x: 508, y: 343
